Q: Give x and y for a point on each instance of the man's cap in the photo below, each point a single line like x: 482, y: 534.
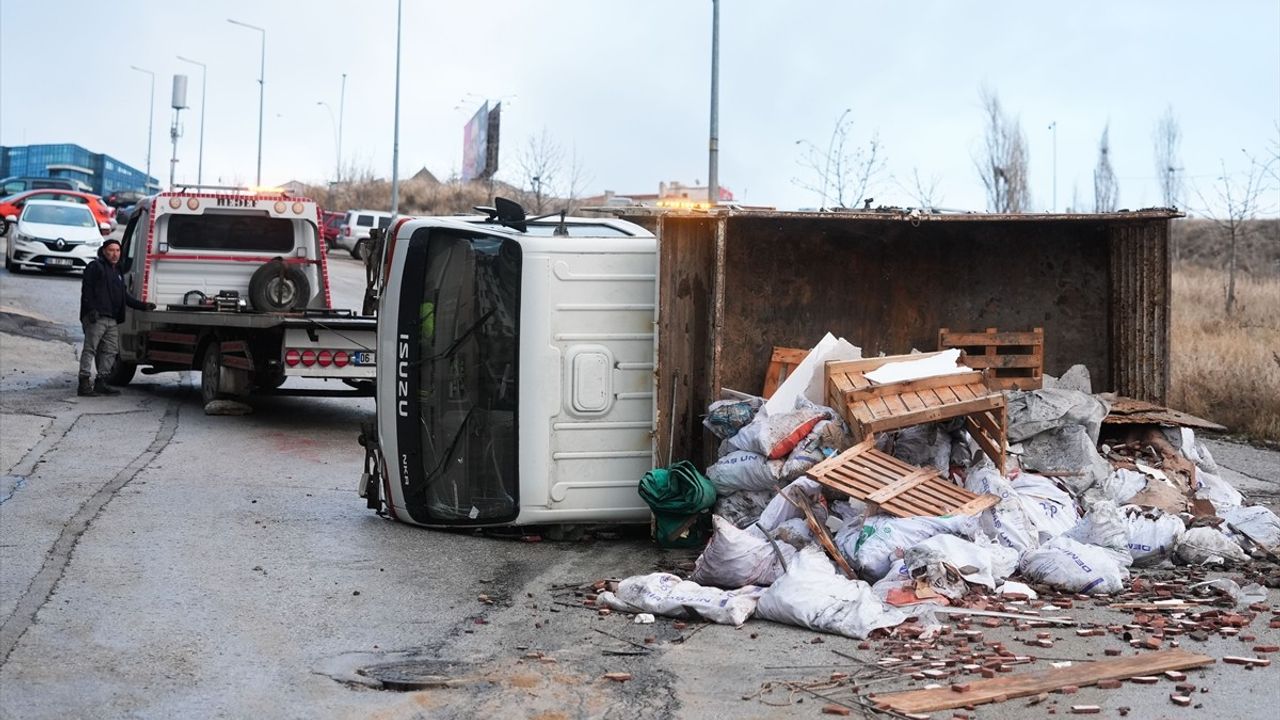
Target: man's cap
x: 110, y: 241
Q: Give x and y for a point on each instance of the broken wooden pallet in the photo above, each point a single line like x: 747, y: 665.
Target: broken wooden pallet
x: 871, y: 408
x: 1015, y: 360
x: 781, y: 365
x: 892, y: 486
x: 1033, y: 683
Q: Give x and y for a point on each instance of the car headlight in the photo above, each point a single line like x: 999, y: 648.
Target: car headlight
x: 93, y: 244
x: 20, y: 239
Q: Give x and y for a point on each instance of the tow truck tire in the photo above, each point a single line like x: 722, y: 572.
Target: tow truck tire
x: 121, y: 373
x: 277, y: 287
x: 210, y: 374
x: 359, y: 249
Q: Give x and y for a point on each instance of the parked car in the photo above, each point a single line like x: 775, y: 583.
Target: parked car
x: 11, y: 185
x: 53, y: 235
x: 122, y: 198
x: 12, y: 205
x: 354, y: 237
x: 330, y: 227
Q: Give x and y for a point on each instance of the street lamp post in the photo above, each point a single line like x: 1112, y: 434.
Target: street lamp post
x: 262, y: 85
x: 1054, y: 127
x: 336, y: 138
x: 151, y: 115
x: 342, y: 105
x: 204, y: 81
x: 713, y: 146
x: 395, y: 140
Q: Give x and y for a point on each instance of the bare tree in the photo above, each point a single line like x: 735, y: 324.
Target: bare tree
x: 1106, y: 191
x: 1238, y: 200
x: 1003, y: 165
x: 575, y: 181
x: 924, y: 192
x: 841, y: 173
x: 540, y: 162
x: 1167, y: 140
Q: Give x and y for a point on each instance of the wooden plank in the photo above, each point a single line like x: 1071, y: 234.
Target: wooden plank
x: 819, y: 531
x: 889, y: 492
x: 869, y: 364
x: 1080, y: 674
x: 977, y: 339
x: 964, y: 378
x: 789, y: 356
x: 981, y: 362
x: 976, y: 505
x: 842, y: 458
x: 783, y: 362
x: 925, y: 415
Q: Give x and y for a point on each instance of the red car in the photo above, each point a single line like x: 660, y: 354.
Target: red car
x: 330, y: 226
x: 13, y: 204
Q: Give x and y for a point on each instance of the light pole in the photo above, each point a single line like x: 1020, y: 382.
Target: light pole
x: 333, y: 123
x: 342, y: 106
x: 204, y: 69
x: 395, y: 140
x: 151, y: 116
x: 1054, y: 127
x: 262, y: 85
x: 713, y: 146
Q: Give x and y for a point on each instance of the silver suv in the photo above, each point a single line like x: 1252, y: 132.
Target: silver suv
x: 353, y: 236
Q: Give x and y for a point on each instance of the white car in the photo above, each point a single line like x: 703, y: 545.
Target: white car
x: 53, y: 235
x: 353, y: 235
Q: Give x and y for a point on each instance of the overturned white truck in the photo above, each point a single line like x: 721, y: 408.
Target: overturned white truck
x: 530, y: 372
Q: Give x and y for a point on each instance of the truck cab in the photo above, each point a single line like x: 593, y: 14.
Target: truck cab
x: 515, y: 372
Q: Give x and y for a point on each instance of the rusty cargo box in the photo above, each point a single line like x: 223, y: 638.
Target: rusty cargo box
x: 735, y: 283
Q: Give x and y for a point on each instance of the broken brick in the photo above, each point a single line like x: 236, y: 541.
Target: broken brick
x: 1181, y: 700
x: 835, y: 710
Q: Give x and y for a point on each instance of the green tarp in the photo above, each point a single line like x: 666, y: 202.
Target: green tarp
x: 679, y: 497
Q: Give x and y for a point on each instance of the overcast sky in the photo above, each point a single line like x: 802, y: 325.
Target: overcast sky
x: 626, y: 86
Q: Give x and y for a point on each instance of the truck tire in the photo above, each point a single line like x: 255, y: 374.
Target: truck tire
x: 210, y: 373
x: 360, y: 249
x: 277, y: 287
x: 121, y: 373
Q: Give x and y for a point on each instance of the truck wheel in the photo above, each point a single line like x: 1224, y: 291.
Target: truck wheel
x: 210, y: 373
x: 277, y: 287
x: 121, y: 373
x: 270, y: 380
x: 359, y: 249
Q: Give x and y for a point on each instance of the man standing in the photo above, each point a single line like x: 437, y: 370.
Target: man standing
x: 102, y: 302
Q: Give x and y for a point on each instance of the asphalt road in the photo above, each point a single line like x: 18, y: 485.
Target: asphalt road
x: 156, y: 562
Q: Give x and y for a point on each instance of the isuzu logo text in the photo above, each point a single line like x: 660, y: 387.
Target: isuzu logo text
x: 402, y: 376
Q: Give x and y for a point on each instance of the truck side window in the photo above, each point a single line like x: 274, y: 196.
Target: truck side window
x: 128, y: 247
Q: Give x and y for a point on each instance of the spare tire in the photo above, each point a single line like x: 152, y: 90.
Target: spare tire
x: 279, y: 287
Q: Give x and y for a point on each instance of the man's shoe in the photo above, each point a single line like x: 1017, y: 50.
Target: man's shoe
x: 101, y: 387
x: 85, y: 388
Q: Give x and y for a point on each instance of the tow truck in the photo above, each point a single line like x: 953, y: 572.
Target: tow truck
x: 240, y: 278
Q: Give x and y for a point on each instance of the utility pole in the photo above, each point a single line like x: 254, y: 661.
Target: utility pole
x: 395, y: 141
x: 151, y: 116
x: 713, y: 149
x: 342, y: 104
x: 1054, y: 127
x: 204, y: 81
x: 262, y: 86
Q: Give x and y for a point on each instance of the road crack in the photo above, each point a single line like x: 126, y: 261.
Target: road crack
x: 46, y: 580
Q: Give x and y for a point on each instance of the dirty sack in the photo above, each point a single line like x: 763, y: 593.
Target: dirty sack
x: 666, y: 594
x: 743, y: 470
x: 1032, y: 509
x: 1105, y: 526
x: 726, y: 417
x: 1068, y: 452
x: 1070, y: 565
x: 948, y: 563
x: 814, y: 595
x: 780, y: 510
x: 1153, y: 534
x: 1255, y: 524
x: 883, y: 538
x: 829, y: 437
x: 921, y: 445
x: 776, y: 435
x: 1208, y: 546
x: 742, y: 508
x: 1119, y: 487
x: 735, y: 558
x: 678, y: 496
x: 1034, y: 412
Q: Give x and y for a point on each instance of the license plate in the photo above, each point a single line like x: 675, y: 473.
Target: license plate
x: 365, y: 357
x: 58, y: 262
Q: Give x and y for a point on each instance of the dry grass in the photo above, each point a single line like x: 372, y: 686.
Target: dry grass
x: 1227, y: 369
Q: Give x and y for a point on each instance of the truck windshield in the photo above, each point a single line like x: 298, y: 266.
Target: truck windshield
x: 465, y: 318
x: 217, y: 231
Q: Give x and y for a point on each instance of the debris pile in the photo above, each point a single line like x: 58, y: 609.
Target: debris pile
x: 947, y: 503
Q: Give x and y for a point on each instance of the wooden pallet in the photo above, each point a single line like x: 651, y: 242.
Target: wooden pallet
x: 1015, y: 360
x: 870, y: 408
x: 781, y: 365
x: 892, y: 486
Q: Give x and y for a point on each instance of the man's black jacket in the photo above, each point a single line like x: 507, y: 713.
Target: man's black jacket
x: 102, y: 292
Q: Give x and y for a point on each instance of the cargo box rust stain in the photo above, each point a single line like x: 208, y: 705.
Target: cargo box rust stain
x: 733, y: 284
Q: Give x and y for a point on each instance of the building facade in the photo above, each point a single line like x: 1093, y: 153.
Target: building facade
x: 99, y: 173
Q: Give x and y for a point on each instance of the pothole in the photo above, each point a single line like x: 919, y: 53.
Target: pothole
x: 402, y: 671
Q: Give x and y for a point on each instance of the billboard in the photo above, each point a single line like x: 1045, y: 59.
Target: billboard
x: 480, y: 143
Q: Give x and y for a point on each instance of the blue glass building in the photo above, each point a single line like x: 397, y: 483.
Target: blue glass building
x: 101, y: 173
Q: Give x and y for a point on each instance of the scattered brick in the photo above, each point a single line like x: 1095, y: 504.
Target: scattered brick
x: 1112, y: 652
x: 1108, y: 684
x: 1085, y: 709
x: 835, y: 710
x: 617, y: 676
x: 1144, y: 679
x: 1175, y: 675
x: 1266, y: 649
x: 1181, y: 700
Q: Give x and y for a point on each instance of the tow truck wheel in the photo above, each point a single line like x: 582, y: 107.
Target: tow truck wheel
x: 359, y: 249
x: 210, y: 373
x: 121, y: 373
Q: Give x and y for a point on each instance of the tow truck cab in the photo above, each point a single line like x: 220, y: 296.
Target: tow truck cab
x: 241, y: 281
x: 515, y: 372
